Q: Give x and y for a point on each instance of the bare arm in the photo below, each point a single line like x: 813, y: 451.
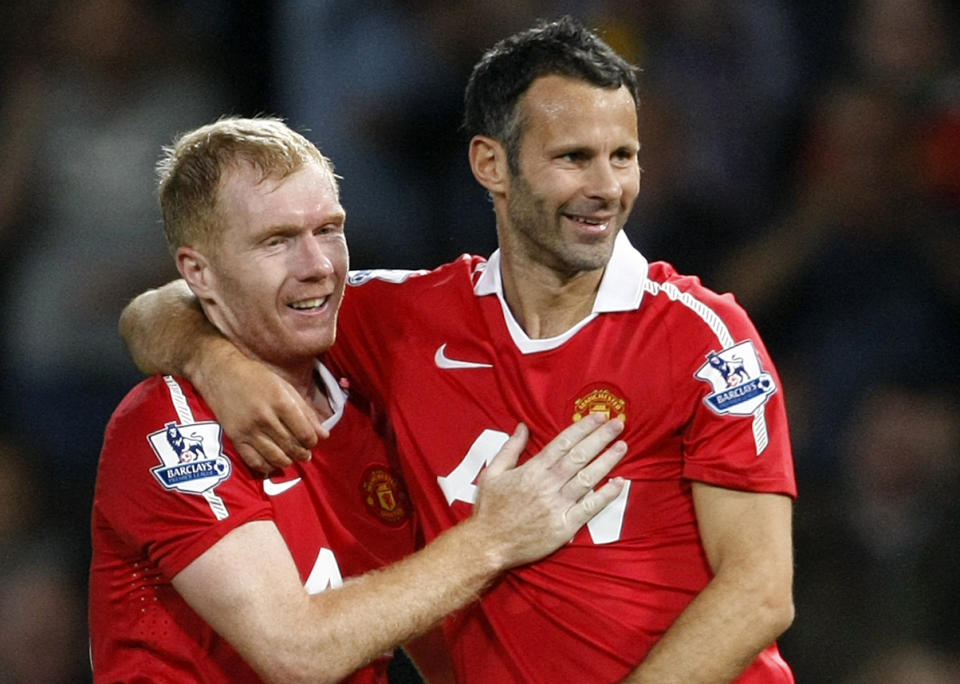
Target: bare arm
x: 747, y: 605
x: 268, y: 421
x: 165, y: 327
x: 522, y: 513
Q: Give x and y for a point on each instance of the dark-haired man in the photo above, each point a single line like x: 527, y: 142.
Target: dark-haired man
x: 687, y: 576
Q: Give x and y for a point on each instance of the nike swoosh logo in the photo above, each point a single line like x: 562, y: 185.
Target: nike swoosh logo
x: 272, y: 488
x: 445, y: 362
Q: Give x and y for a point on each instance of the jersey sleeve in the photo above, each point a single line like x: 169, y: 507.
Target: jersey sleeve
x: 170, y: 488
x: 737, y: 435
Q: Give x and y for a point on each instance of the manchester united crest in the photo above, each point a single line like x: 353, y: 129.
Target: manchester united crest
x: 385, y: 495
x: 600, y: 398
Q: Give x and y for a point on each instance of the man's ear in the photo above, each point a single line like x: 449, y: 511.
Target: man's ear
x: 195, y: 269
x: 488, y: 161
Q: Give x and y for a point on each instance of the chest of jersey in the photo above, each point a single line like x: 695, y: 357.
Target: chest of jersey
x: 610, y: 366
x: 456, y: 384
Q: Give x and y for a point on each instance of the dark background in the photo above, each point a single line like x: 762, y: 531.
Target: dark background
x: 803, y: 155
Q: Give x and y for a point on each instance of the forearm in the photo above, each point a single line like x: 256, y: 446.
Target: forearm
x: 166, y: 332
x: 373, y: 613
x: 521, y: 513
x: 718, y: 635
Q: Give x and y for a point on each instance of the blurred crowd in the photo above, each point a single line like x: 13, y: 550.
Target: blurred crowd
x: 802, y: 155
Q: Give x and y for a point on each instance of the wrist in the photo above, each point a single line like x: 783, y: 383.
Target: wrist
x: 480, y: 556
x: 200, y: 362
x: 483, y: 548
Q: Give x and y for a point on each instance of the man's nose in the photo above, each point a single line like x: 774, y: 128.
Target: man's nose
x: 603, y: 181
x: 313, y: 261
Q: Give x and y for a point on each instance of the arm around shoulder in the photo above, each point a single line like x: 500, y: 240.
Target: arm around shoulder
x: 164, y: 328
x: 166, y: 331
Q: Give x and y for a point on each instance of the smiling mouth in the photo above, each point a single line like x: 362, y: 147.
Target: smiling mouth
x: 308, y: 304
x: 591, y: 224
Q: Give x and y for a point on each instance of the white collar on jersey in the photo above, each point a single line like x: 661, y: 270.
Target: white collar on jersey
x: 330, y: 389
x: 621, y: 289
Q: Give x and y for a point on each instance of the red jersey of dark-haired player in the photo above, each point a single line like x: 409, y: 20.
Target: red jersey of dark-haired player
x: 681, y: 365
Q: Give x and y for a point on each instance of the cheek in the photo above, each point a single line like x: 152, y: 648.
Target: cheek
x: 252, y: 289
x: 342, y: 258
x: 631, y: 188
x: 340, y: 261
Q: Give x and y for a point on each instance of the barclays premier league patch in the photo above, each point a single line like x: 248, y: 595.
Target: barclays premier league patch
x: 191, y: 457
x: 740, y: 385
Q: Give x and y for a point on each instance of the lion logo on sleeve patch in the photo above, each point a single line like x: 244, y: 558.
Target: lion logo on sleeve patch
x: 191, y: 457
x: 740, y: 385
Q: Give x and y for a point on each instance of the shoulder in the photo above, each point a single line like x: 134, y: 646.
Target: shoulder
x: 393, y: 289
x: 388, y: 278
x: 686, y: 299
x: 158, y: 395
x: 158, y: 405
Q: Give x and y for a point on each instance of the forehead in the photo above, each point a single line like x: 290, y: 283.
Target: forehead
x: 245, y: 196
x: 559, y: 106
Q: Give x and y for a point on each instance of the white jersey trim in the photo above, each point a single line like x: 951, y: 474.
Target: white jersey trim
x: 185, y: 417
x: 621, y: 289
x: 334, y: 394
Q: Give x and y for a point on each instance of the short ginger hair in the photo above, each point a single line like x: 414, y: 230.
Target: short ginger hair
x: 191, y: 169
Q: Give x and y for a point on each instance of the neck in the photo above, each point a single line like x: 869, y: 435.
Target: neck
x: 300, y: 374
x: 307, y: 384
x: 544, y: 302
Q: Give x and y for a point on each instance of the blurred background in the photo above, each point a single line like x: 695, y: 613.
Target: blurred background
x: 804, y: 155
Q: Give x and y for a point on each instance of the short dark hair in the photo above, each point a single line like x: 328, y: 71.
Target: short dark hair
x: 563, y: 47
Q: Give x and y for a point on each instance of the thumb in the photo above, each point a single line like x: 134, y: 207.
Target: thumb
x: 509, y: 453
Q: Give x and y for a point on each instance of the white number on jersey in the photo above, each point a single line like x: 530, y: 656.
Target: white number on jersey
x: 606, y: 525
x: 325, y: 574
x: 459, y: 485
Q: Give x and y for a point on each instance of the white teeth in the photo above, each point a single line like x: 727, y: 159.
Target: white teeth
x: 584, y: 219
x: 308, y: 303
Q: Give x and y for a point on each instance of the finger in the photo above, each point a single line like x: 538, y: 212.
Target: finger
x: 265, y: 452
x: 509, y: 453
x: 273, y: 454
x: 252, y: 459
x: 588, y: 476
x: 595, y: 501
x: 302, y: 425
x: 276, y: 445
x: 567, y: 440
x: 584, y: 451
x: 272, y: 433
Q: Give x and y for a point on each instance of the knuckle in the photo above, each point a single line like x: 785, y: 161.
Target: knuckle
x: 590, y: 504
x: 260, y: 418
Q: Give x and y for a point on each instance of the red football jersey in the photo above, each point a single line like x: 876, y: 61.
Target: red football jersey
x: 170, y: 485
x: 681, y: 365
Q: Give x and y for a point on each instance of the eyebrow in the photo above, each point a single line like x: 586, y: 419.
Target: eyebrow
x: 291, y: 228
